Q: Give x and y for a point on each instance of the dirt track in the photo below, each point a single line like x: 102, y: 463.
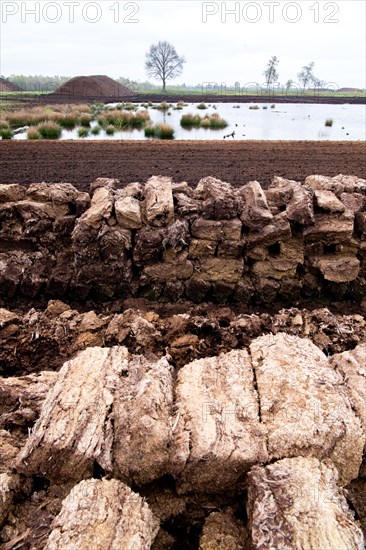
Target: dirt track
x: 236, y: 162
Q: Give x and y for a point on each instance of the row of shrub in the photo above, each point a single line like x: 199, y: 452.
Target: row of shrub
x: 67, y: 116
x: 256, y: 107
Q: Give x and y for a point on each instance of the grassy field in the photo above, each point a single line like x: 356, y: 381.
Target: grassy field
x: 244, y: 93
x: 223, y: 92
x: 21, y: 93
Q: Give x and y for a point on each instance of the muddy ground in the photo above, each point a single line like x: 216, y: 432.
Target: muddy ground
x: 236, y: 162
x: 43, y: 338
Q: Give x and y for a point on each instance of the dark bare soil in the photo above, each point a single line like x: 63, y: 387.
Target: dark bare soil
x: 84, y: 89
x: 236, y: 162
x: 183, y: 331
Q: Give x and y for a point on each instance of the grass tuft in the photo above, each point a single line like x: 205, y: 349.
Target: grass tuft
x: 49, y: 130
x: 110, y: 129
x: 205, y: 123
x: 201, y: 106
x: 68, y: 120
x: 6, y: 133
x: 164, y: 106
x: 164, y: 131
x: 33, y: 133
x: 160, y: 131
x: 124, y: 119
x: 189, y: 120
x: 253, y: 107
x: 95, y: 130
x: 85, y: 120
x: 149, y: 131
x: 216, y: 122
x: 83, y: 132
x: 329, y: 122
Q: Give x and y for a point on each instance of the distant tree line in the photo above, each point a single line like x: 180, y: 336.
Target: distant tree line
x: 38, y: 83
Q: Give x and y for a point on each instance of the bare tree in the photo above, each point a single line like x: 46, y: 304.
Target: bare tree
x: 306, y: 75
x: 289, y: 83
x: 271, y: 73
x: 163, y: 62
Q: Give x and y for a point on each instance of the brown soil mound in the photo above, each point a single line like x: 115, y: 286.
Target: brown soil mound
x: 6, y: 86
x: 93, y: 87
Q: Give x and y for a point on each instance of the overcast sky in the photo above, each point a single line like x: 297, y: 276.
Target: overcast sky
x: 111, y: 37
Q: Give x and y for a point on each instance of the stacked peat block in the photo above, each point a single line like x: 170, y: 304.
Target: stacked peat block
x: 166, y: 241
x: 280, y: 418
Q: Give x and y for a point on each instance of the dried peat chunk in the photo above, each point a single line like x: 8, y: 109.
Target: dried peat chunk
x: 74, y: 428
x: 57, y: 193
x: 32, y: 211
x: 9, y: 486
x: 7, y: 317
x: 279, y: 193
x: 10, y: 444
x: 12, y: 192
x: 210, y: 230
x: 327, y: 200
x: 159, y: 206
x: 355, y: 202
x: 142, y: 421
x: 295, y: 504
x: 221, y: 269
x: 128, y: 212
x: 339, y: 269
x: 360, y: 224
x: 39, y: 192
x: 104, y: 182
x: 352, y: 366
x: 218, y: 435
x: 103, y: 515
x: 219, y: 198
x: 231, y: 229
x: 352, y: 184
x: 223, y: 531
x: 331, y: 228
x: 201, y: 248
x: 22, y: 397
x: 186, y: 205
x: 325, y: 183
x: 179, y: 268
x: 304, y: 404
x: 277, y: 230
x: 300, y: 208
x: 100, y: 209
x: 148, y: 245
x: 275, y: 268
x: 255, y: 212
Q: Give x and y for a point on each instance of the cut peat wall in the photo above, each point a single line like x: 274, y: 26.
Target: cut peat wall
x: 167, y: 242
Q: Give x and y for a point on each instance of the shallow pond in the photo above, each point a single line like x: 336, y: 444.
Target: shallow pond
x: 282, y: 122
